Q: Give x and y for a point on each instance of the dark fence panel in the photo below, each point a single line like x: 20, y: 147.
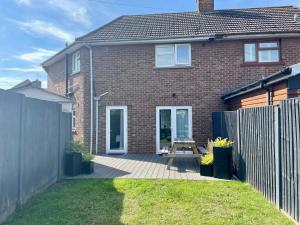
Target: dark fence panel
x: 268, y: 150
x: 290, y: 157
x: 225, y: 126
x: 33, y: 134
x: 257, y: 151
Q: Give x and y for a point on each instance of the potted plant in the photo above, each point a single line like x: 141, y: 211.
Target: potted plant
x: 73, y: 159
x: 87, y: 165
x: 222, y: 150
x: 206, y: 165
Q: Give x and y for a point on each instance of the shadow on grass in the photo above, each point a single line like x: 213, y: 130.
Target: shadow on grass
x: 73, y: 202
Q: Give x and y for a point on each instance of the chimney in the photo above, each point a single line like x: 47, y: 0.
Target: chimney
x: 205, y: 5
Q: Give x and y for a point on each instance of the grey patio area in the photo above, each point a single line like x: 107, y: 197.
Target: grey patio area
x: 144, y: 166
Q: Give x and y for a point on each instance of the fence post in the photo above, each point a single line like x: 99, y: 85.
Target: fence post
x: 277, y: 156
x: 59, y: 143
x: 21, y: 147
x: 238, y: 142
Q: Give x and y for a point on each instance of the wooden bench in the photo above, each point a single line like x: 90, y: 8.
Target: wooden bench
x: 181, y: 144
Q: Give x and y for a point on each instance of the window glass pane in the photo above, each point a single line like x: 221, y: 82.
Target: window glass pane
x: 269, y: 56
x: 182, y: 123
x: 165, y: 60
x: 183, y: 54
x: 73, y: 119
x: 165, y: 56
x: 76, y: 62
x: 116, y: 129
x: 165, y: 130
x: 250, y: 52
x: 268, y: 45
x: 162, y: 50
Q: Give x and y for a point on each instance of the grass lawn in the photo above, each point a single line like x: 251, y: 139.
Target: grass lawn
x: 125, y: 201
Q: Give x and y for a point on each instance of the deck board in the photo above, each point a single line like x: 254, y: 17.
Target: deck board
x: 144, y: 166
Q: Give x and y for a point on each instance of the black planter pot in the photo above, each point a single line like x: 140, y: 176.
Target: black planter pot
x: 223, y: 167
x: 87, y: 167
x: 206, y: 170
x: 73, y: 163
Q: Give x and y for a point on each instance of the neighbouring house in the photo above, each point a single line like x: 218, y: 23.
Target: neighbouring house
x: 165, y: 73
x: 270, y: 90
x: 33, y: 89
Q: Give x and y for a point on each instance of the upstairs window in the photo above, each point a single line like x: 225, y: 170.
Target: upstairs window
x: 175, y: 55
x: 262, y: 52
x: 73, y: 120
x: 76, y: 62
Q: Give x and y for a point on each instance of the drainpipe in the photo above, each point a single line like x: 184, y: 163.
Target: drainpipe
x: 67, y: 75
x: 91, y: 99
x: 268, y: 98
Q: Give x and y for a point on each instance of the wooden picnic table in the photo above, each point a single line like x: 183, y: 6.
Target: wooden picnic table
x: 183, y: 144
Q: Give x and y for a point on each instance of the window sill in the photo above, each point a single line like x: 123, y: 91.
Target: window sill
x: 173, y: 67
x: 262, y: 64
x: 74, y: 73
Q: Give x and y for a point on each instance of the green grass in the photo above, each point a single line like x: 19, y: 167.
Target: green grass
x: 125, y: 201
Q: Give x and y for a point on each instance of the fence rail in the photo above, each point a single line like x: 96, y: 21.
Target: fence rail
x: 33, y: 134
x: 266, y: 150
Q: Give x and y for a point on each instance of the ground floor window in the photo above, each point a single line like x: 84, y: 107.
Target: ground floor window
x: 171, y: 123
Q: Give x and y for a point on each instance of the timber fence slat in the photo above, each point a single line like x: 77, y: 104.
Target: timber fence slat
x: 266, y: 153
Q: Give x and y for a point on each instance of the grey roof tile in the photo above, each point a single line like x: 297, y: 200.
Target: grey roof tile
x: 193, y: 24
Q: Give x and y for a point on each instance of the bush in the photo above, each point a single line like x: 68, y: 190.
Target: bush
x: 207, y: 159
x: 223, y: 143
x: 76, y: 146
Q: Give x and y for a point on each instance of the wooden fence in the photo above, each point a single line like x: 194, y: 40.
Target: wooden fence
x: 267, y: 150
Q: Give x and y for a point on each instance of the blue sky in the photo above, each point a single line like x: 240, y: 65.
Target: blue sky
x: 33, y: 30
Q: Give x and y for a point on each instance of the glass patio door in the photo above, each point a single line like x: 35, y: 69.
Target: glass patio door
x: 172, y: 123
x: 116, y: 130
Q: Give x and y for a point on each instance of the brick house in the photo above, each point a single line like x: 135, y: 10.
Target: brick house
x: 165, y: 73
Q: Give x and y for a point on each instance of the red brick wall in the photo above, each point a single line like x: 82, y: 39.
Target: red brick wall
x: 129, y: 73
x: 78, y: 83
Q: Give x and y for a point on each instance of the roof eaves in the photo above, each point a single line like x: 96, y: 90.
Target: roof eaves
x: 274, y: 78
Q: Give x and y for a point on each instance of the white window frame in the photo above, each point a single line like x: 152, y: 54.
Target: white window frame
x: 173, y: 123
x: 73, y: 119
x: 176, y: 63
x: 259, y: 49
x: 76, y: 62
x: 125, y: 123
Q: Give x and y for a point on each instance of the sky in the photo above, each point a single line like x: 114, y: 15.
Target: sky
x: 33, y: 30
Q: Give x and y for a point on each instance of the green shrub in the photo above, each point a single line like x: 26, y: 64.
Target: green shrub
x: 207, y: 159
x: 76, y: 146
x: 223, y: 143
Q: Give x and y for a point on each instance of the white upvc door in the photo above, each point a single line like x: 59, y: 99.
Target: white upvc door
x: 172, y: 122
x: 116, y: 130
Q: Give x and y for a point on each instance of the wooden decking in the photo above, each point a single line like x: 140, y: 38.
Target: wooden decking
x: 144, y: 166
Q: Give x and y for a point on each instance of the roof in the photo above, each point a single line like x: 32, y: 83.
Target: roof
x: 27, y: 83
x: 30, y: 87
x: 286, y: 73
x: 194, y: 24
x: 151, y: 28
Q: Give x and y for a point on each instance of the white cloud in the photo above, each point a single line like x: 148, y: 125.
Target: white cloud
x: 9, y: 81
x: 75, y: 10
x: 36, y: 56
x: 34, y: 69
x: 45, y: 28
x: 24, y: 2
